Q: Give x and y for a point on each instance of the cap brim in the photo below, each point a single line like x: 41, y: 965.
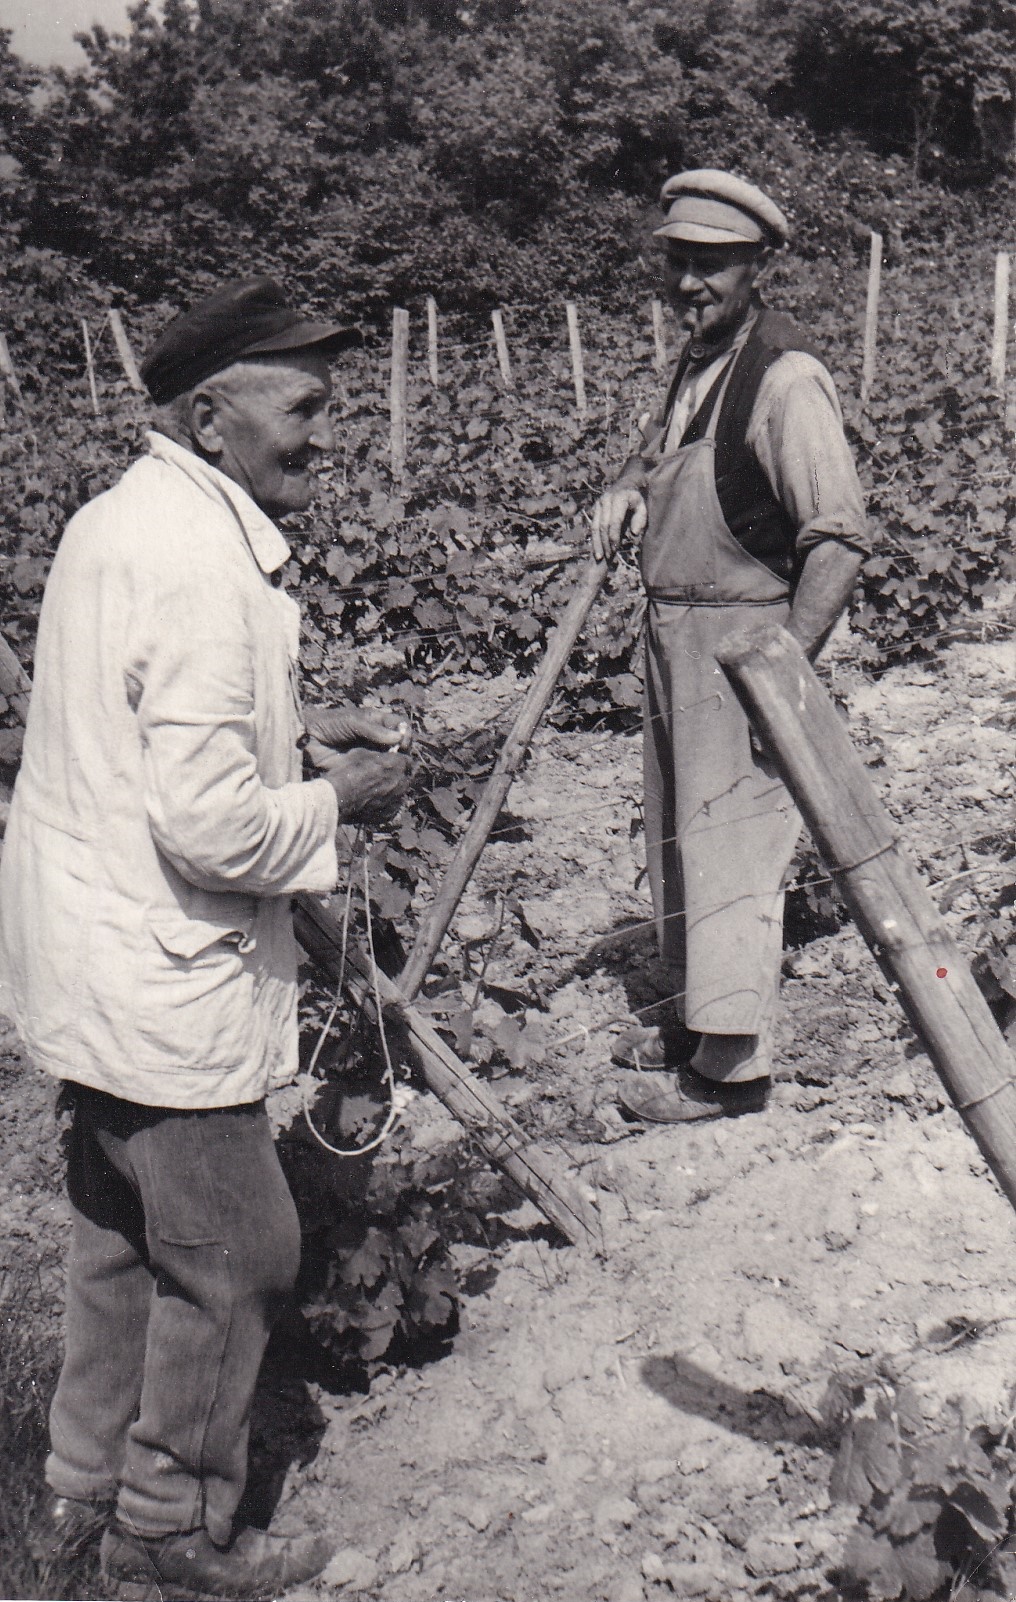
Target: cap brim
x: 704, y: 234
x: 327, y: 337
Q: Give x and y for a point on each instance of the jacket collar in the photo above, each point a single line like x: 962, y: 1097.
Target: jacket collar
x: 268, y: 547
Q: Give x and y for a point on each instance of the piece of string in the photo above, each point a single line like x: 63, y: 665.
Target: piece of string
x: 388, y: 1078
x: 978, y: 1101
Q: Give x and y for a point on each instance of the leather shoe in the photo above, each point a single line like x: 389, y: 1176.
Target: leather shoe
x: 188, y: 1565
x: 668, y: 1046
x: 686, y: 1097
x: 67, y: 1526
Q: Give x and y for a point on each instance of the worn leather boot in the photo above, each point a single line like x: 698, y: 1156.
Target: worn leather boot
x: 68, y: 1526
x: 189, y: 1565
x: 685, y: 1097
x: 656, y: 1046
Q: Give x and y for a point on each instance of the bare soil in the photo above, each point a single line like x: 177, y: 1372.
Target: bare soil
x: 645, y: 1422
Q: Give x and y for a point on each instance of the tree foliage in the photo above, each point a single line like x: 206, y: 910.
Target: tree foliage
x: 504, y: 151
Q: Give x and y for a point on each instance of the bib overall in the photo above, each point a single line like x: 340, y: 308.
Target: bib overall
x: 720, y: 826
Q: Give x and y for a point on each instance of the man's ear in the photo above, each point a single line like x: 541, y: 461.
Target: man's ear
x: 205, y: 429
x: 763, y: 262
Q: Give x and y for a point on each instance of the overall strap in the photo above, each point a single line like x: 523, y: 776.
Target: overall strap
x: 754, y: 516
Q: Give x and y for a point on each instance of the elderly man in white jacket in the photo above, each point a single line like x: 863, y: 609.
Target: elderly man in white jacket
x: 160, y: 825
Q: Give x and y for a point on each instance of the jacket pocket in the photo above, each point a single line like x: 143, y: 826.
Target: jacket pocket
x: 196, y: 989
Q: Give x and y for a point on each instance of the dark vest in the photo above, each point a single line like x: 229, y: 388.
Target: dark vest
x: 754, y: 516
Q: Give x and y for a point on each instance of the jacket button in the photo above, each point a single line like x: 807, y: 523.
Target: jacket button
x: 276, y: 577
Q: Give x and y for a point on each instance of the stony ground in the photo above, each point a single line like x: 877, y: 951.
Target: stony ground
x: 646, y: 1420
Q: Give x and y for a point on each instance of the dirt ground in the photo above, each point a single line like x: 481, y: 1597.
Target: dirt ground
x: 643, y: 1422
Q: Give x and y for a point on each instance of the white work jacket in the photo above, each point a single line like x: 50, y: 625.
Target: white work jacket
x: 159, y: 825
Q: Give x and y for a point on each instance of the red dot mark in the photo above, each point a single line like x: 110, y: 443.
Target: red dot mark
x: 940, y: 973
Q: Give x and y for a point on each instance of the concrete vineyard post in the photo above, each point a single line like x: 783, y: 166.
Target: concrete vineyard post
x: 432, y: 339
x: 892, y: 906
x: 467, y: 854
x: 659, y: 340
x: 871, y: 317
x: 501, y: 345
x: 1000, y: 330
x: 124, y: 351
x: 90, y: 364
x: 578, y: 367
x: 397, y: 393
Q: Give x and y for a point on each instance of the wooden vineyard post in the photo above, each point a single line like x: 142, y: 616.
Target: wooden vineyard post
x: 578, y: 366
x: 501, y: 346
x: 871, y: 317
x: 432, y: 339
x: 398, y: 390
x: 892, y: 906
x: 467, y: 854
x: 1000, y: 329
x: 90, y: 364
x: 9, y: 372
x: 124, y: 351
x: 659, y: 339
x: 465, y: 1096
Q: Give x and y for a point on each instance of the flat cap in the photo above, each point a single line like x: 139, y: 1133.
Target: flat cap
x: 709, y: 207
x: 247, y: 318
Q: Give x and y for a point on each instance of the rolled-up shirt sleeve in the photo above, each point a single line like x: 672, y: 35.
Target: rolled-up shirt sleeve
x: 191, y: 678
x: 796, y: 434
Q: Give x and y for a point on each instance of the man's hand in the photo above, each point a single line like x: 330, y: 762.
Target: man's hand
x: 361, y: 754
x: 369, y: 784
x: 342, y: 727
x: 617, y: 511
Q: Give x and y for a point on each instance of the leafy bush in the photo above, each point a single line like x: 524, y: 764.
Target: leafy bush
x: 934, y: 1505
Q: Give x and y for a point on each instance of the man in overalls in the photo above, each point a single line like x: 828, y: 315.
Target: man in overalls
x: 748, y: 502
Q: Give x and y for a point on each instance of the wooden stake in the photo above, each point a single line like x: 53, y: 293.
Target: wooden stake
x: 893, y: 908
x: 91, y: 367
x: 460, y: 870
x: 469, y: 1100
x: 124, y: 351
x: 502, y: 350
x: 578, y: 369
x: 871, y: 317
x: 659, y: 339
x: 1000, y: 331
x: 9, y: 371
x: 465, y: 1096
x: 432, y: 338
x: 15, y: 685
x: 397, y: 401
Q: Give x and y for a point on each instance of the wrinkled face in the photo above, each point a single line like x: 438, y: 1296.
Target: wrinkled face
x: 272, y: 426
x: 711, y: 286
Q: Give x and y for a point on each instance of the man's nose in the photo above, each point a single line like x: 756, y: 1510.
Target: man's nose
x: 322, y: 434
x: 690, y: 281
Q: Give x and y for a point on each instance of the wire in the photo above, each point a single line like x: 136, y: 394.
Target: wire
x: 388, y: 1078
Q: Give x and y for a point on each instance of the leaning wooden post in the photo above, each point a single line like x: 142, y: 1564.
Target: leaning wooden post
x: 892, y: 906
x: 659, y: 339
x: 89, y: 363
x: 578, y: 366
x: 124, y: 351
x: 467, y: 854
x: 1000, y: 331
x: 397, y: 391
x: 465, y: 1096
x: 871, y: 317
x: 432, y: 339
x: 501, y: 346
